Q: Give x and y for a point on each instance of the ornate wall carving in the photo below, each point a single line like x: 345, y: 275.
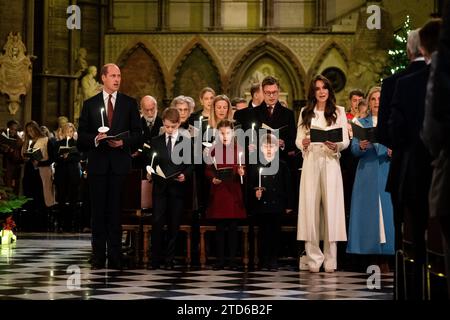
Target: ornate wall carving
x: 195, y: 72
x: 141, y: 74
x: 15, y: 71
x: 298, y: 56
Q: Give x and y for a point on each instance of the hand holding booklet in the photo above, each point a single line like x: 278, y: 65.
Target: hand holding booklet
x: 65, y: 149
x: 166, y: 175
x: 321, y: 135
x: 362, y: 133
x: 35, y: 154
x: 223, y: 173
x: 119, y: 136
x: 267, y: 127
x: 5, y: 139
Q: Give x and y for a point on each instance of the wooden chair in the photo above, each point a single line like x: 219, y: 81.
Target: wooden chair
x: 147, y: 244
x: 210, y: 228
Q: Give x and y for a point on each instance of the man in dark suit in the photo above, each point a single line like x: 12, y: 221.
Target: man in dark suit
x: 272, y: 113
x: 435, y: 135
x: 405, y: 124
x: 245, y: 117
x: 109, y: 162
x: 151, y: 124
x: 174, y: 158
x: 417, y: 62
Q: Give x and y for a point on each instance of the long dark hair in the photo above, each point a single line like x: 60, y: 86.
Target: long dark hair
x: 330, y: 106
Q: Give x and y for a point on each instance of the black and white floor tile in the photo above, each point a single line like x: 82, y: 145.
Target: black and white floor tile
x: 40, y: 267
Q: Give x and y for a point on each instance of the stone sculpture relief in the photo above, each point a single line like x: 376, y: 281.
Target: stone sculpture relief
x: 15, y: 71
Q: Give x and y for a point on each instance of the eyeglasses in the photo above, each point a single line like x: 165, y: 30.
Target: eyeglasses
x: 270, y: 93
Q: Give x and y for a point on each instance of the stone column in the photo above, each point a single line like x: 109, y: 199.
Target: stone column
x: 321, y: 14
x: 29, y: 39
x: 268, y: 13
x: 163, y: 15
x: 215, y: 15
x: 111, y: 15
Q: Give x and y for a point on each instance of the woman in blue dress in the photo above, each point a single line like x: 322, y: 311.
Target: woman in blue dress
x: 371, y: 227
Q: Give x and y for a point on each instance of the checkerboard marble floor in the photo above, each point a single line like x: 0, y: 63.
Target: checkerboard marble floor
x: 45, y: 268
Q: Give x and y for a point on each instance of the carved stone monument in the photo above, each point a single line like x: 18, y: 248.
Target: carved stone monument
x: 15, y: 71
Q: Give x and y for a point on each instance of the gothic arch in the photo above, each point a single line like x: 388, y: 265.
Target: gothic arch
x: 142, y: 73
x: 273, y: 49
x: 322, y: 54
x: 196, y: 67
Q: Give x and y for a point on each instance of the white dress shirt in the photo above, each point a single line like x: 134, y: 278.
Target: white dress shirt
x: 113, y: 100
x: 174, y: 136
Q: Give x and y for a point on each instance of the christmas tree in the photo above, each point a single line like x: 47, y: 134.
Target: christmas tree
x: 397, y: 56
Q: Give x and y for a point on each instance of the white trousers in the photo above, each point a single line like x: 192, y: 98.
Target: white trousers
x: 315, y: 257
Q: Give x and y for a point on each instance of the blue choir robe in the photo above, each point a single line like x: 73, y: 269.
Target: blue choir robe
x: 369, y: 199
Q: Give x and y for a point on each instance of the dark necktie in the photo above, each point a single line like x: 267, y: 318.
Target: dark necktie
x: 110, y: 110
x: 270, y: 110
x: 169, y: 146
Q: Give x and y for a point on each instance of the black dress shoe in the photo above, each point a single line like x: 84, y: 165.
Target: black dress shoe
x: 169, y: 266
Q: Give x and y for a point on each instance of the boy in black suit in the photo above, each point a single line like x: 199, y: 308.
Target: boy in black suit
x: 272, y: 200
x: 174, y: 159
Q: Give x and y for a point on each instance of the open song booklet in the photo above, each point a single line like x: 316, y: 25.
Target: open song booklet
x: 35, y: 154
x: 119, y: 136
x: 4, y: 139
x: 321, y: 135
x: 223, y: 173
x: 65, y: 149
x: 162, y: 174
x: 267, y: 127
x: 362, y: 133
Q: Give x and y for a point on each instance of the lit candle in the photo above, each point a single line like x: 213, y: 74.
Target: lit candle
x: 101, y: 113
x: 7, y: 132
x: 253, y: 128
x: 207, y: 128
x: 29, y: 144
x: 260, y: 171
x: 200, y: 119
x: 67, y: 141
x: 240, y: 164
x: 153, y: 158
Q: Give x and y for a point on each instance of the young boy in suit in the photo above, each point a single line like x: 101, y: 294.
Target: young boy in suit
x: 169, y: 191
x: 271, y: 201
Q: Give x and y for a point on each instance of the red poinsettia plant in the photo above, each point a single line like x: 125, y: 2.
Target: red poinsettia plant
x: 9, y: 224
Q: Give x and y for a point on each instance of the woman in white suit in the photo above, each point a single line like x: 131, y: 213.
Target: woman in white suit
x: 321, y: 214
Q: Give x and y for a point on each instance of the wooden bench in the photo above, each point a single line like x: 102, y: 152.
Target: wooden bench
x: 211, y: 228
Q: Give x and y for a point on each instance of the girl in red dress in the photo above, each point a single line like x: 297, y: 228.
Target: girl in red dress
x: 226, y: 205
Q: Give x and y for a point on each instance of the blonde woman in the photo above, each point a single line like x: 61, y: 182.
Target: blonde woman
x: 221, y: 110
x: 207, y: 95
x: 38, y: 178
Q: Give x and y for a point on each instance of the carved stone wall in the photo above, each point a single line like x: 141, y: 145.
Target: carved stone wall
x: 299, y: 54
x: 141, y: 74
